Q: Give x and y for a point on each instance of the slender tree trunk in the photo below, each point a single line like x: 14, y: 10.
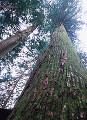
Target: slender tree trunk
x: 7, y: 99
x: 54, y: 92
x: 11, y: 42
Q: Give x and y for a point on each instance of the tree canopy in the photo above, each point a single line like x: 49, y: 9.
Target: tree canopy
x: 64, y: 12
x: 29, y: 11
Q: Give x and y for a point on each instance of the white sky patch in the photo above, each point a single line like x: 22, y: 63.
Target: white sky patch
x: 83, y: 39
x: 83, y: 32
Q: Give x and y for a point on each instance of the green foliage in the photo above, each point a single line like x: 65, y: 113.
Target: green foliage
x: 83, y: 58
x: 60, y: 12
x: 64, y: 12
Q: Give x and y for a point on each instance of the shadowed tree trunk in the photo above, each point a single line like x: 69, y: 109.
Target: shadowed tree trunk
x: 11, y: 42
x: 55, y: 91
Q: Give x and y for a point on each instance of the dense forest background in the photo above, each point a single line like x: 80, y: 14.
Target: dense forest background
x: 44, y: 17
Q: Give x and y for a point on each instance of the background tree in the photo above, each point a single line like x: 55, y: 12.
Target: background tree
x: 15, y: 12
x: 12, y: 13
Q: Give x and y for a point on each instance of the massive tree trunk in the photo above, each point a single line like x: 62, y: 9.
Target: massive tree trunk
x: 11, y: 42
x: 57, y: 89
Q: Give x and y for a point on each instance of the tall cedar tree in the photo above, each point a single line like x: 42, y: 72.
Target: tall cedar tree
x: 57, y: 89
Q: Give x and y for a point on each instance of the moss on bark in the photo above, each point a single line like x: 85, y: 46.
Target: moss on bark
x: 57, y: 89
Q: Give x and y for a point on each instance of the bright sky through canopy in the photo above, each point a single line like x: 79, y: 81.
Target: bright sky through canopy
x: 83, y: 32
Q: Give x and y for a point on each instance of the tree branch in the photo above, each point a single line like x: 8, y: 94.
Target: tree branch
x: 9, y: 6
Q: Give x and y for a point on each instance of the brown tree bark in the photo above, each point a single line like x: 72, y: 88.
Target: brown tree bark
x: 11, y: 42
